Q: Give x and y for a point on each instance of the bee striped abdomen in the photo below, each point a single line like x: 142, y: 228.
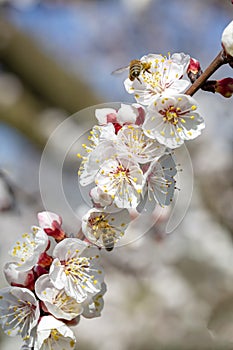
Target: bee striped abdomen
x: 135, y: 69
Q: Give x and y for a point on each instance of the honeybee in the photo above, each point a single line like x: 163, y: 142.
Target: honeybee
x: 136, y: 67
x: 108, y: 241
x: 103, y: 232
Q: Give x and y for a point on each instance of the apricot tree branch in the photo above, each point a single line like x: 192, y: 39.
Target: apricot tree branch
x: 219, y: 60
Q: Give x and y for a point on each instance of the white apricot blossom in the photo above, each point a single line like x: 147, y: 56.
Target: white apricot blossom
x: 164, y: 76
x: 75, y: 269
x: 159, y: 181
x: 132, y: 140
x: 122, y: 179
x: 90, y: 166
x: 94, y: 305
x: 53, y: 334
x: 57, y: 302
x: 172, y: 119
x: 28, y: 249
x: 19, y: 311
x: 104, y: 228
x: 227, y: 39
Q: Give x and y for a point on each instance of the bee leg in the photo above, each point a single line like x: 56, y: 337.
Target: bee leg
x: 148, y: 70
x: 139, y: 80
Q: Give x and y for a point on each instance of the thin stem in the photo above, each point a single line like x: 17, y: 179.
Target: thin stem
x: 219, y: 60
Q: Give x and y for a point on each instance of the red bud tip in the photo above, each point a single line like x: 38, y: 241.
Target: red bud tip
x: 224, y: 87
x: 194, y: 66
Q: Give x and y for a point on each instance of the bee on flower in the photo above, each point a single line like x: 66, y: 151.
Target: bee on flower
x: 103, y: 228
x: 165, y: 76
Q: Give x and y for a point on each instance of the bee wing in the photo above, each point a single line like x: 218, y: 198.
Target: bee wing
x: 120, y: 70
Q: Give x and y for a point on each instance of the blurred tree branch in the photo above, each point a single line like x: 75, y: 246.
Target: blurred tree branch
x: 46, y: 83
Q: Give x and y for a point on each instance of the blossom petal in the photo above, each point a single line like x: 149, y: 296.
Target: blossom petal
x: 58, y: 303
x: 54, y: 334
x: 104, y: 228
x: 19, y: 311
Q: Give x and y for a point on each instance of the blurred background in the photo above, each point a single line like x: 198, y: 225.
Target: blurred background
x: 165, y: 292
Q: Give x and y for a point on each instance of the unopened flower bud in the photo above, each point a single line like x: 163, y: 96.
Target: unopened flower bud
x: 194, y: 69
x: 224, y: 87
x: 227, y: 39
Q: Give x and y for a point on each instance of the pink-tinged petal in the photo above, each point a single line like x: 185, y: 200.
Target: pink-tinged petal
x: 141, y: 114
x: 103, y: 114
x: 19, y: 278
x: 111, y: 118
x: 47, y: 218
x: 51, y: 223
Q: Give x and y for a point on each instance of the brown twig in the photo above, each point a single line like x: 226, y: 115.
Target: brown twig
x: 219, y: 60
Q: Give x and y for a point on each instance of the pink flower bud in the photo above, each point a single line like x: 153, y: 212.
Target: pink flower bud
x: 224, y: 87
x: 194, y: 69
x: 194, y: 66
x: 51, y: 223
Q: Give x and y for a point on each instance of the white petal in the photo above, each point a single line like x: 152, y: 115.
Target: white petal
x: 58, y: 303
x: 19, y: 311
x: 227, y: 39
x: 127, y: 114
x: 68, y: 248
x: 54, y: 334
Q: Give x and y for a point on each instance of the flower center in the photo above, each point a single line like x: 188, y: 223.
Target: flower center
x: 99, y: 223
x: 121, y: 174
x: 76, y: 266
x: 66, y: 303
x: 170, y: 115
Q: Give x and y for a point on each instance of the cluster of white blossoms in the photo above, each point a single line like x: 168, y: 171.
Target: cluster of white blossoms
x: 54, y: 280
x: 130, y: 161
x: 129, y: 167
